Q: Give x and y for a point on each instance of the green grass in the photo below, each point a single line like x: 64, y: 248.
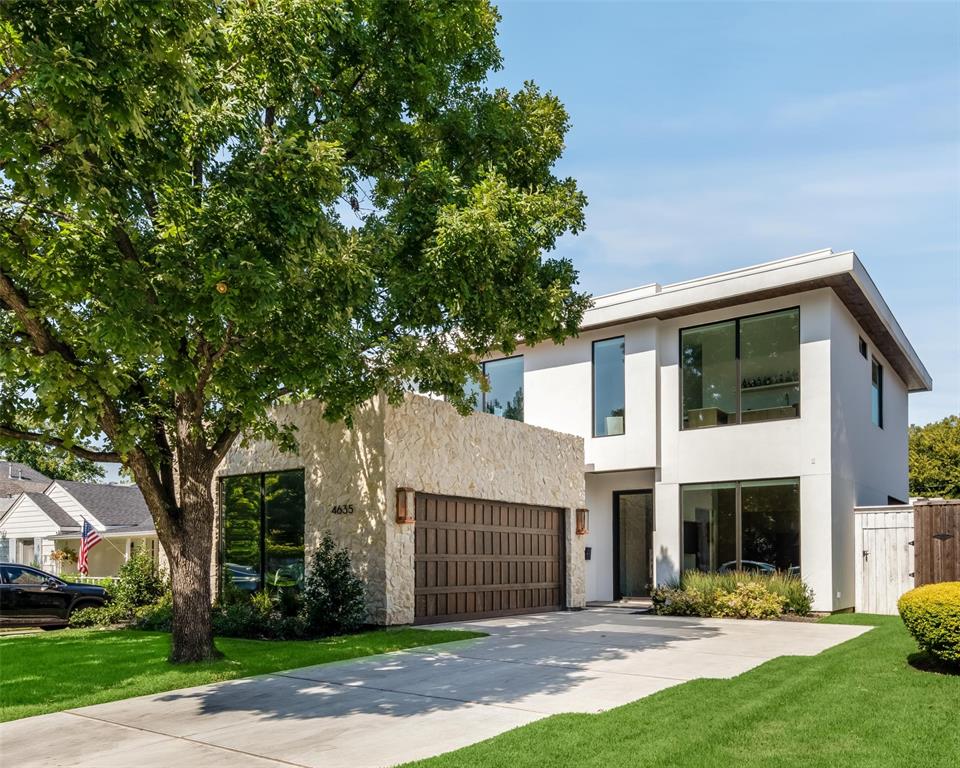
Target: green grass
x: 857, y: 704
x: 53, y: 671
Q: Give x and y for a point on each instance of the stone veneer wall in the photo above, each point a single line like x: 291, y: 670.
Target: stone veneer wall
x: 433, y: 449
x: 341, y: 466
x: 423, y: 443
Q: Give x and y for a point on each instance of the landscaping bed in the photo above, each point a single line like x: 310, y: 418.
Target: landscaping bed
x: 53, y: 671
x: 735, y: 595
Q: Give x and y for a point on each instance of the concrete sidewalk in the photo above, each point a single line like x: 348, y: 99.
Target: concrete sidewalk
x: 385, y: 710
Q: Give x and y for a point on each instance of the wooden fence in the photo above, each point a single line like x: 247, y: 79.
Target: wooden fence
x: 936, y: 541
x: 884, y: 557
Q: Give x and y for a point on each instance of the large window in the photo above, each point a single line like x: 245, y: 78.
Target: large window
x: 263, y: 524
x: 741, y: 371
x: 753, y: 525
x: 609, y: 403
x: 504, y: 396
x: 876, y: 393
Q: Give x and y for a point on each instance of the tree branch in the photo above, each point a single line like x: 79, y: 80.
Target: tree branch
x: 56, y: 442
x: 41, y: 336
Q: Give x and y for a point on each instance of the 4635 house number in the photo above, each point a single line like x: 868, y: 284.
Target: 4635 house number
x: 341, y: 509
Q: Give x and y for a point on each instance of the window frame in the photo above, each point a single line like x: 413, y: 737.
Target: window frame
x: 738, y: 512
x: 262, y: 523
x: 878, y: 366
x: 593, y: 384
x: 482, y: 404
x: 862, y: 346
x: 736, y: 320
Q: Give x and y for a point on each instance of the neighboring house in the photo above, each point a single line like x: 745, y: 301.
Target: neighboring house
x: 38, y: 523
x: 15, y: 478
x: 731, y: 421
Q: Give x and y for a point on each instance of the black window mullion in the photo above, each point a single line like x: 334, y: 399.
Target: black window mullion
x: 736, y: 352
x: 263, y: 531
x: 739, y: 529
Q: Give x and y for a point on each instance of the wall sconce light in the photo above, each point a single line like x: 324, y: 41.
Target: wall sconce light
x: 405, y: 506
x: 583, y: 521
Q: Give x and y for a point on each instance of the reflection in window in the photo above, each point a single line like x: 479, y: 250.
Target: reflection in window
x: 263, y: 529
x: 770, y: 525
x: 709, y: 360
x: 876, y: 393
x: 709, y: 526
x: 741, y: 371
x: 768, y: 518
x: 609, y: 404
x: 770, y: 366
x: 504, y: 396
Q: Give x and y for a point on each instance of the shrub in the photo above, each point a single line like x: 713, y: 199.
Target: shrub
x: 674, y: 601
x: 750, y: 600
x: 332, y: 595
x: 139, y: 583
x: 931, y: 613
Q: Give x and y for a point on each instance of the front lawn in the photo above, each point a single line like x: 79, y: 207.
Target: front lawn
x: 54, y: 671
x: 857, y: 704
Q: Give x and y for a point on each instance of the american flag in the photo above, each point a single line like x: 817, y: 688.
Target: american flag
x: 89, y: 538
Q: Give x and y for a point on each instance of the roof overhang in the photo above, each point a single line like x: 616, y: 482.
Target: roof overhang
x: 842, y: 272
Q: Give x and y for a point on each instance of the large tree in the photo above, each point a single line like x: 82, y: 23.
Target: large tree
x: 935, y: 458
x: 53, y: 462
x: 210, y: 206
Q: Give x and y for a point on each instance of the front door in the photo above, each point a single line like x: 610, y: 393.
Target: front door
x: 632, y: 543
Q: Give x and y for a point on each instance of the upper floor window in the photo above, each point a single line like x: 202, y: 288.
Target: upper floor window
x: 504, y: 395
x: 740, y: 371
x: 876, y: 393
x: 609, y: 398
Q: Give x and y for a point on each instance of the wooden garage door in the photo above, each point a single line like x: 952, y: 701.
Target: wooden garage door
x: 478, y: 558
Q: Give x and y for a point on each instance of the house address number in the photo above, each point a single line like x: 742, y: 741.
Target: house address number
x: 341, y: 509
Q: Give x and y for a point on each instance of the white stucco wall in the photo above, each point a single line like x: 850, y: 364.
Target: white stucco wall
x: 869, y: 463
x: 600, y: 488
x: 774, y: 449
x: 558, y: 394
x: 425, y: 444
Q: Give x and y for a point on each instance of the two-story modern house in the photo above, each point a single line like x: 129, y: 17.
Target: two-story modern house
x: 733, y: 421
x: 730, y: 421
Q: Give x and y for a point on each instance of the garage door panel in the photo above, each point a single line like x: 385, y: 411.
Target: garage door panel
x: 478, y: 558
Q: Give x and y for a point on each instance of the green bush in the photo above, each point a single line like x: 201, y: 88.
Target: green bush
x: 674, y: 601
x: 139, y: 585
x: 750, y: 600
x: 333, y: 601
x: 931, y: 614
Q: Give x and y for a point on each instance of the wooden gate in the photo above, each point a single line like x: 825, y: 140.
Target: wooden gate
x: 884, y: 561
x: 477, y: 559
x: 937, y: 529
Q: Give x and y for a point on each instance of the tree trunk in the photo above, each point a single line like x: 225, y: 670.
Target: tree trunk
x: 190, y: 550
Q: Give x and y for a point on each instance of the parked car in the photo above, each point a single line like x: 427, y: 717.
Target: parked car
x: 30, y: 597
x: 748, y: 566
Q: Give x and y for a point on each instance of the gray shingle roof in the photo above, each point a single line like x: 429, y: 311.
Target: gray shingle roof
x: 15, y: 478
x: 111, y: 504
x: 52, y: 510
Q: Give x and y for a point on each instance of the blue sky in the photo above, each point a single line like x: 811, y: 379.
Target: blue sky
x: 717, y: 135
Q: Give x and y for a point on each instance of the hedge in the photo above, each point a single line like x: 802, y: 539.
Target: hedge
x: 931, y: 613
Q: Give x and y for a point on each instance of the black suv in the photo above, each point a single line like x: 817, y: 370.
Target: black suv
x: 30, y: 597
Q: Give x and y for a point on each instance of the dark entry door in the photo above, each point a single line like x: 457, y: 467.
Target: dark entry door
x: 477, y: 558
x: 632, y: 543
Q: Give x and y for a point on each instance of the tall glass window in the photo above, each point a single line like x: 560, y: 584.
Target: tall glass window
x: 741, y: 371
x: 263, y: 529
x: 708, y: 356
x: 504, y: 395
x: 876, y: 393
x: 753, y: 525
x: 770, y: 525
x: 770, y: 366
x: 609, y: 399
x: 709, y: 526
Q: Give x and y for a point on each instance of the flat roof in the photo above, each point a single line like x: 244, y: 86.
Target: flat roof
x: 843, y: 272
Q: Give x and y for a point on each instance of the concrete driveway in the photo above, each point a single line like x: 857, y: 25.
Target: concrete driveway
x: 384, y: 710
